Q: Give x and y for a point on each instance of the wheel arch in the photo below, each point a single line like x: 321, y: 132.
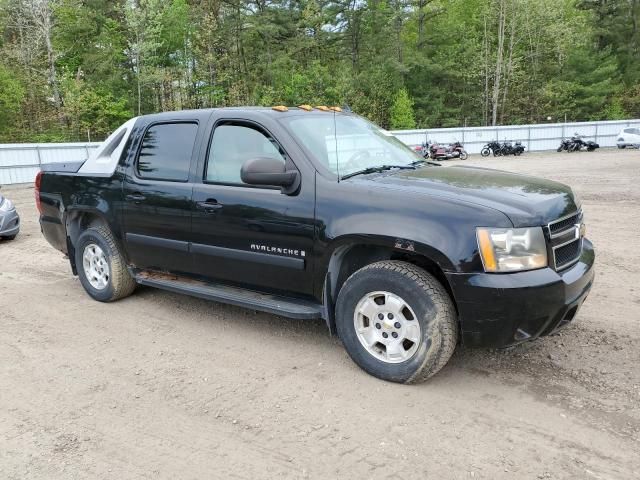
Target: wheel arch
x: 351, y: 255
x: 78, y: 220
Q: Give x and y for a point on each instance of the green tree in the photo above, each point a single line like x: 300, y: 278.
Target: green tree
x: 86, y: 64
x: 11, y: 96
x: 402, y: 111
x: 92, y: 113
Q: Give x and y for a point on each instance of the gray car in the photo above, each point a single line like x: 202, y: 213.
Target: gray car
x: 9, y: 219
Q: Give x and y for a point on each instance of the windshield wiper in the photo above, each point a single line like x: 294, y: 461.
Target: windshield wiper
x: 424, y: 162
x: 376, y: 169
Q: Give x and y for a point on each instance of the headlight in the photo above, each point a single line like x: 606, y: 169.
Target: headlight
x: 6, y: 205
x: 512, y: 249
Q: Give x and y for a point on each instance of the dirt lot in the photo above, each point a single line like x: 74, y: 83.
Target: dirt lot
x: 165, y: 386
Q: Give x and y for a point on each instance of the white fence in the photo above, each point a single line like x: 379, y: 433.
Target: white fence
x: 19, y: 163
x: 533, y: 137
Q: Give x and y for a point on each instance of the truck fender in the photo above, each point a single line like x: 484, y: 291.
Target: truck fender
x: 350, y: 254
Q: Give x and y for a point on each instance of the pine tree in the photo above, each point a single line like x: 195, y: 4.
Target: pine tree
x: 402, y: 116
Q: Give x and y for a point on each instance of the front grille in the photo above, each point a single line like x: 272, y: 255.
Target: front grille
x: 559, y: 226
x: 568, y: 254
x: 566, y: 240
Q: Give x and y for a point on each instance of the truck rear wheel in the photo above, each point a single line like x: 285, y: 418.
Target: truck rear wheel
x: 396, y: 321
x: 101, y: 266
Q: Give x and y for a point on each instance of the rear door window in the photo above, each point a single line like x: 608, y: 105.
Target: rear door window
x: 165, y: 153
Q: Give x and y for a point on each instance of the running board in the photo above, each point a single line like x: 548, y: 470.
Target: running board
x: 287, y: 307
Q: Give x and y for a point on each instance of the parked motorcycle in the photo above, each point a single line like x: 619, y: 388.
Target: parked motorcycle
x: 436, y: 151
x: 507, y: 148
x: 458, y: 147
x: 564, y: 145
x: 518, y: 149
x: 491, y: 147
x: 577, y: 144
x: 499, y: 149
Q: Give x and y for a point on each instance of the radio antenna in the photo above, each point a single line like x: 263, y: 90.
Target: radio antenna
x: 335, y: 138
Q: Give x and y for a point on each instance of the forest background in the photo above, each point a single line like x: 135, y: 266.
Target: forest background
x: 73, y: 70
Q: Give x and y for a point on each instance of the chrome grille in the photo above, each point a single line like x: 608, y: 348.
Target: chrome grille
x: 557, y: 227
x: 566, y: 240
x: 568, y: 253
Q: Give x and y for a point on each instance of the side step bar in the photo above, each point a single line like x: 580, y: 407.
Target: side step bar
x: 263, y: 302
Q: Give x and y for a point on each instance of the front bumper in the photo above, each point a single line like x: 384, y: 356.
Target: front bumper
x: 499, y: 310
x: 9, y: 223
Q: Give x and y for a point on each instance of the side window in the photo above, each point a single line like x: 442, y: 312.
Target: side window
x: 231, y: 146
x: 166, y: 150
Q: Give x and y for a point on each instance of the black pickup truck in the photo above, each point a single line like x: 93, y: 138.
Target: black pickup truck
x: 317, y: 213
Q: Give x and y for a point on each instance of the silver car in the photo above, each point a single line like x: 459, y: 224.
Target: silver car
x: 9, y: 219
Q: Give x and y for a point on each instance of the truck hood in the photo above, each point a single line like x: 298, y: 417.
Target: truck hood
x: 526, y: 200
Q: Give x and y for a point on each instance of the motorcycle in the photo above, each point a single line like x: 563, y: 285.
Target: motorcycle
x: 564, y: 145
x: 438, y: 152
x: 577, y: 144
x: 518, y: 149
x: 491, y: 147
x: 507, y: 148
x: 458, y: 147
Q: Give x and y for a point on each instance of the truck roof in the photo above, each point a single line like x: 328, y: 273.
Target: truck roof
x: 276, y: 111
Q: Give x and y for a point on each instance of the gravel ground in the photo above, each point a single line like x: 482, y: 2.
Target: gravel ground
x: 166, y: 386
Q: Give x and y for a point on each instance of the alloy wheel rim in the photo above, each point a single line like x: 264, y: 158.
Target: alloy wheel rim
x: 96, y: 266
x: 387, y: 327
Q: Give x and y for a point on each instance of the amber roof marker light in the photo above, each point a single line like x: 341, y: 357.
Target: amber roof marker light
x: 308, y: 108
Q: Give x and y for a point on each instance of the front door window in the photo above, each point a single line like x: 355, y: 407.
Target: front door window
x: 231, y: 146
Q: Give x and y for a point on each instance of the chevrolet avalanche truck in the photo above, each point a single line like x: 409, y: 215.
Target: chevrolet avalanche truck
x: 317, y: 213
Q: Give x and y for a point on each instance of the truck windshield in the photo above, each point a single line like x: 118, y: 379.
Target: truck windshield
x: 345, y: 144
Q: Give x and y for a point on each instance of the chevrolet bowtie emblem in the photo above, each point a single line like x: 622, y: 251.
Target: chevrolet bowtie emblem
x: 581, y: 230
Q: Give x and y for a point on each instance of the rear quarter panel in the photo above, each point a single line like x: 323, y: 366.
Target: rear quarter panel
x: 64, y: 194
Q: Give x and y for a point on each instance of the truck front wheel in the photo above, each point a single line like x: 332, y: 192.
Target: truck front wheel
x: 101, y: 265
x: 396, y: 321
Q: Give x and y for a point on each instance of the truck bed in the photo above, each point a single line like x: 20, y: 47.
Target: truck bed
x: 62, y: 167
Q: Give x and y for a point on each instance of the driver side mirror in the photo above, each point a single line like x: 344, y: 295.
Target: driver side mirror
x: 271, y: 172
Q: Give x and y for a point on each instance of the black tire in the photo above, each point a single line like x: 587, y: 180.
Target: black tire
x: 10, y: 237
x: 433, y: 309
x: 559, y: 149
x: 485, y: 152
x: 464, y: 155
x: 621, y: 146
x: 120, y: 284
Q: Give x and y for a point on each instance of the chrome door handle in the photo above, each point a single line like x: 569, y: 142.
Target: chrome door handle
x: 135, y: 197
x: 209, y: 206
